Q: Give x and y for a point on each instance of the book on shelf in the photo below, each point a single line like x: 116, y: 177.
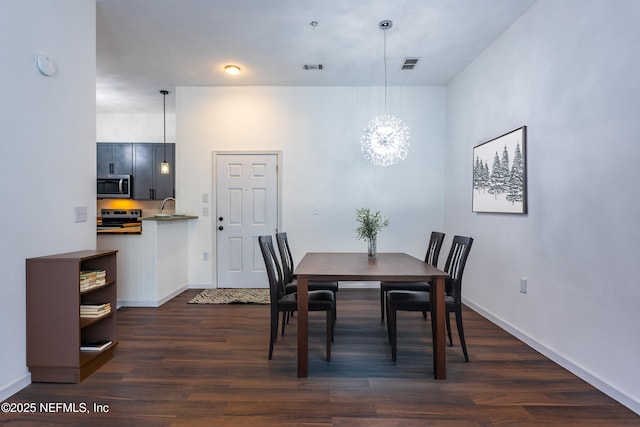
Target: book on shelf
x: 92, y: 278
x: 93, y: 315
x: 95, y: 306
x: 95, y: 345
x: 94, y: 310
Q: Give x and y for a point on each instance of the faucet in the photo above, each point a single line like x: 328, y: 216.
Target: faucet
x: 165, y: 201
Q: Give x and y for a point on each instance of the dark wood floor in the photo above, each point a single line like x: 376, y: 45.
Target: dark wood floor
x: 184, y: 364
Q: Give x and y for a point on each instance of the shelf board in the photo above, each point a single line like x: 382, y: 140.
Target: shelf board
x: 95, y: 288
x: 86, y: 355
x: 86, y: 321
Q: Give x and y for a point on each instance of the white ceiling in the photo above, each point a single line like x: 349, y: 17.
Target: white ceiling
x: 147, y: 45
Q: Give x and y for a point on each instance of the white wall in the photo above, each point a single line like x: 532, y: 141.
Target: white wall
x: 48, y: 162
x: 569, y: 71
x: 135, y: 127
x: 317, y: 129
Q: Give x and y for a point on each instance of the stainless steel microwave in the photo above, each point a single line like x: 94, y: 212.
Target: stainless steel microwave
x: 114, y: 187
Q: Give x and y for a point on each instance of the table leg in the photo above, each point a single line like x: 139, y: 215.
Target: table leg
x: 438, y: 319
x: 303, y: 326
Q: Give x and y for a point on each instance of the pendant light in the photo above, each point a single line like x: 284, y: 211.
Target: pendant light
x: 385, y: 140
x: 164, y: 166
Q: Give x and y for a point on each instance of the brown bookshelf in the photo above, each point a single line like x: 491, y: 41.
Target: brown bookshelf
x: 55, y: 329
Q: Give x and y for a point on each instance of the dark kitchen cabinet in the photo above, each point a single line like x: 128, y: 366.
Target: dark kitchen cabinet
x: 148, y: 182
x: 114, y: 158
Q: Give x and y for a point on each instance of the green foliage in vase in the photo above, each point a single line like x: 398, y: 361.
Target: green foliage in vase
x: 370, y: 223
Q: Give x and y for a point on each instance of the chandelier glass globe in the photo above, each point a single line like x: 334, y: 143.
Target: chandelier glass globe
x: 385, y: 140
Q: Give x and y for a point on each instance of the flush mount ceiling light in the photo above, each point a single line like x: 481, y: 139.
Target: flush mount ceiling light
x: 164, y: 166
x: 385, y: 140
x: 232, y: 69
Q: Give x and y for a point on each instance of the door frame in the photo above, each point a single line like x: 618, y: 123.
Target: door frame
x: 214, y: 198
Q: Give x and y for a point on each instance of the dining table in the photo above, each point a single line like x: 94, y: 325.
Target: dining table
x: 359, y: 267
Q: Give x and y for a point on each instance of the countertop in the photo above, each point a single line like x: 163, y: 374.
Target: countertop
x: 169, y: 217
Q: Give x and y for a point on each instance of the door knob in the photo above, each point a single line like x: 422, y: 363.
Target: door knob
x: 220, y: 218
x: 221, y: 228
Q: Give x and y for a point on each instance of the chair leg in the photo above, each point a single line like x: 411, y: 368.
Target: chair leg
x: 335, y: 308
x: 446, y: 316
x: 394, y: 335
x: 333, y: 326
x: 330, y: 315
x: 382, y: 303
x: 388, y: 320
x: 461, y: 333
x: 273, y: 333
x: 392, y: 328
x: 284, y: 317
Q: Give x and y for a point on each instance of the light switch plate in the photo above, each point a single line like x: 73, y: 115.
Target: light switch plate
x: 80, y: 213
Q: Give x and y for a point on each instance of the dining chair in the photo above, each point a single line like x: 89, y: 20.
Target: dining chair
x: 281, y: 302
x: 433, y: 253
x: 290, y: 283
x: 287, y: 268
x: 419, y: 300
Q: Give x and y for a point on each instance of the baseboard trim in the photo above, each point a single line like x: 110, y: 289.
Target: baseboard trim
x: 9, y: 389
x: 150, y: 302
x: 172, y: 295
x: 614, y: 393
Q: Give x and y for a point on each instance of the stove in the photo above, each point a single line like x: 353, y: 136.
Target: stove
x: 119, y: 218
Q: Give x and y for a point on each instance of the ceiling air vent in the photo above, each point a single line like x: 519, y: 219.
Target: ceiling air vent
x: 312, y: 67
x: 409, y: 63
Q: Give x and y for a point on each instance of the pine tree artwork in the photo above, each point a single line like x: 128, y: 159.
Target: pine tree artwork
x: 501, y: 188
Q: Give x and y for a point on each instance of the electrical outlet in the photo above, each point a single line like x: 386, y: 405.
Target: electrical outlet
x: 523, y: 286
x: 205, y: 211
x: 205, y: 256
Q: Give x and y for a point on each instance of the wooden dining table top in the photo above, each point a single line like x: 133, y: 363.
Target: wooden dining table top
x: 354, y: 266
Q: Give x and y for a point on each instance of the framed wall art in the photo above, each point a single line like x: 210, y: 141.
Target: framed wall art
x: 500, y: 174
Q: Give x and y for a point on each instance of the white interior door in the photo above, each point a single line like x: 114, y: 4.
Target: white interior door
x: 247, y: 207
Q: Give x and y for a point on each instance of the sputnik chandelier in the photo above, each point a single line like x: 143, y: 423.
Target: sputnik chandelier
x: 385, y: 140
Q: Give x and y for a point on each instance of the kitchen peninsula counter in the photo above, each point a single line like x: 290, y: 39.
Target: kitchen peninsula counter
x: 171, y: 217
x: 153, y: 265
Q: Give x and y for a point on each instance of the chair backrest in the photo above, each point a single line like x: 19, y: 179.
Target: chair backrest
x: 433, y: 250
x: 456, y: 261
x: 274, y: 273
x: 285, y: 256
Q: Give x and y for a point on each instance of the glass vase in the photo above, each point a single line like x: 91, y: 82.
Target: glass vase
x: 372, y: 248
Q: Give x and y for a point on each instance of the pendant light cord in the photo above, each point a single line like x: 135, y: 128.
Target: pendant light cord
x: 164, y: 124
x: 385, y: 69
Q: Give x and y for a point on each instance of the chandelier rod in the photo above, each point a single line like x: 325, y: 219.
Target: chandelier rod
x: 385, y: 68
